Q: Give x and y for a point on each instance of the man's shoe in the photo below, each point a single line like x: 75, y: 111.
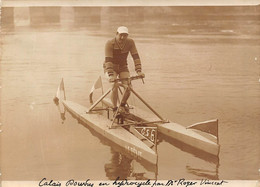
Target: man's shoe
x: 123, y: 110
x: 114, y: 109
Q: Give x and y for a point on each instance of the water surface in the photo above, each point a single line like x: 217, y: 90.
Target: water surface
x: 200, y: 64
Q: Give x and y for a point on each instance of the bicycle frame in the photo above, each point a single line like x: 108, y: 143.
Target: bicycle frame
x: 117, y: 81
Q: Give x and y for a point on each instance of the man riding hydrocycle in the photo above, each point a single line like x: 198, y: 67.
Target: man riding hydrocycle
x: 115, y: 66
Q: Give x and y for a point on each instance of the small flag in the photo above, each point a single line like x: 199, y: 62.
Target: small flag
x: 60, y: 91
x: 98, y: 84
x: 210, y: 127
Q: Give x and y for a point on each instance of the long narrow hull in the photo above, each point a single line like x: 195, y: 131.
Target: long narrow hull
x: 179, y: 132
x: 119, y: 135
x: 189, y: 137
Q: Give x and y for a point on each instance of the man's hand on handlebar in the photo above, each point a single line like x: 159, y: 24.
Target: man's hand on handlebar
x: 112, y: 79
x: 141, y: 74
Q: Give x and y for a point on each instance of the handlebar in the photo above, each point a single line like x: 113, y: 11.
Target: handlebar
x: 129, y: 78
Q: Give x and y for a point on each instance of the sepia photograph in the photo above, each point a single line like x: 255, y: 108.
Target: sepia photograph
x: 129, y: 93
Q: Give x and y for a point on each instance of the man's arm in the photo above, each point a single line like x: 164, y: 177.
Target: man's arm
x: 136, y: 58
x: 109, y: 59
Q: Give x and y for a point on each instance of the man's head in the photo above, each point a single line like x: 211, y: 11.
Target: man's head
x: 122, y: 34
